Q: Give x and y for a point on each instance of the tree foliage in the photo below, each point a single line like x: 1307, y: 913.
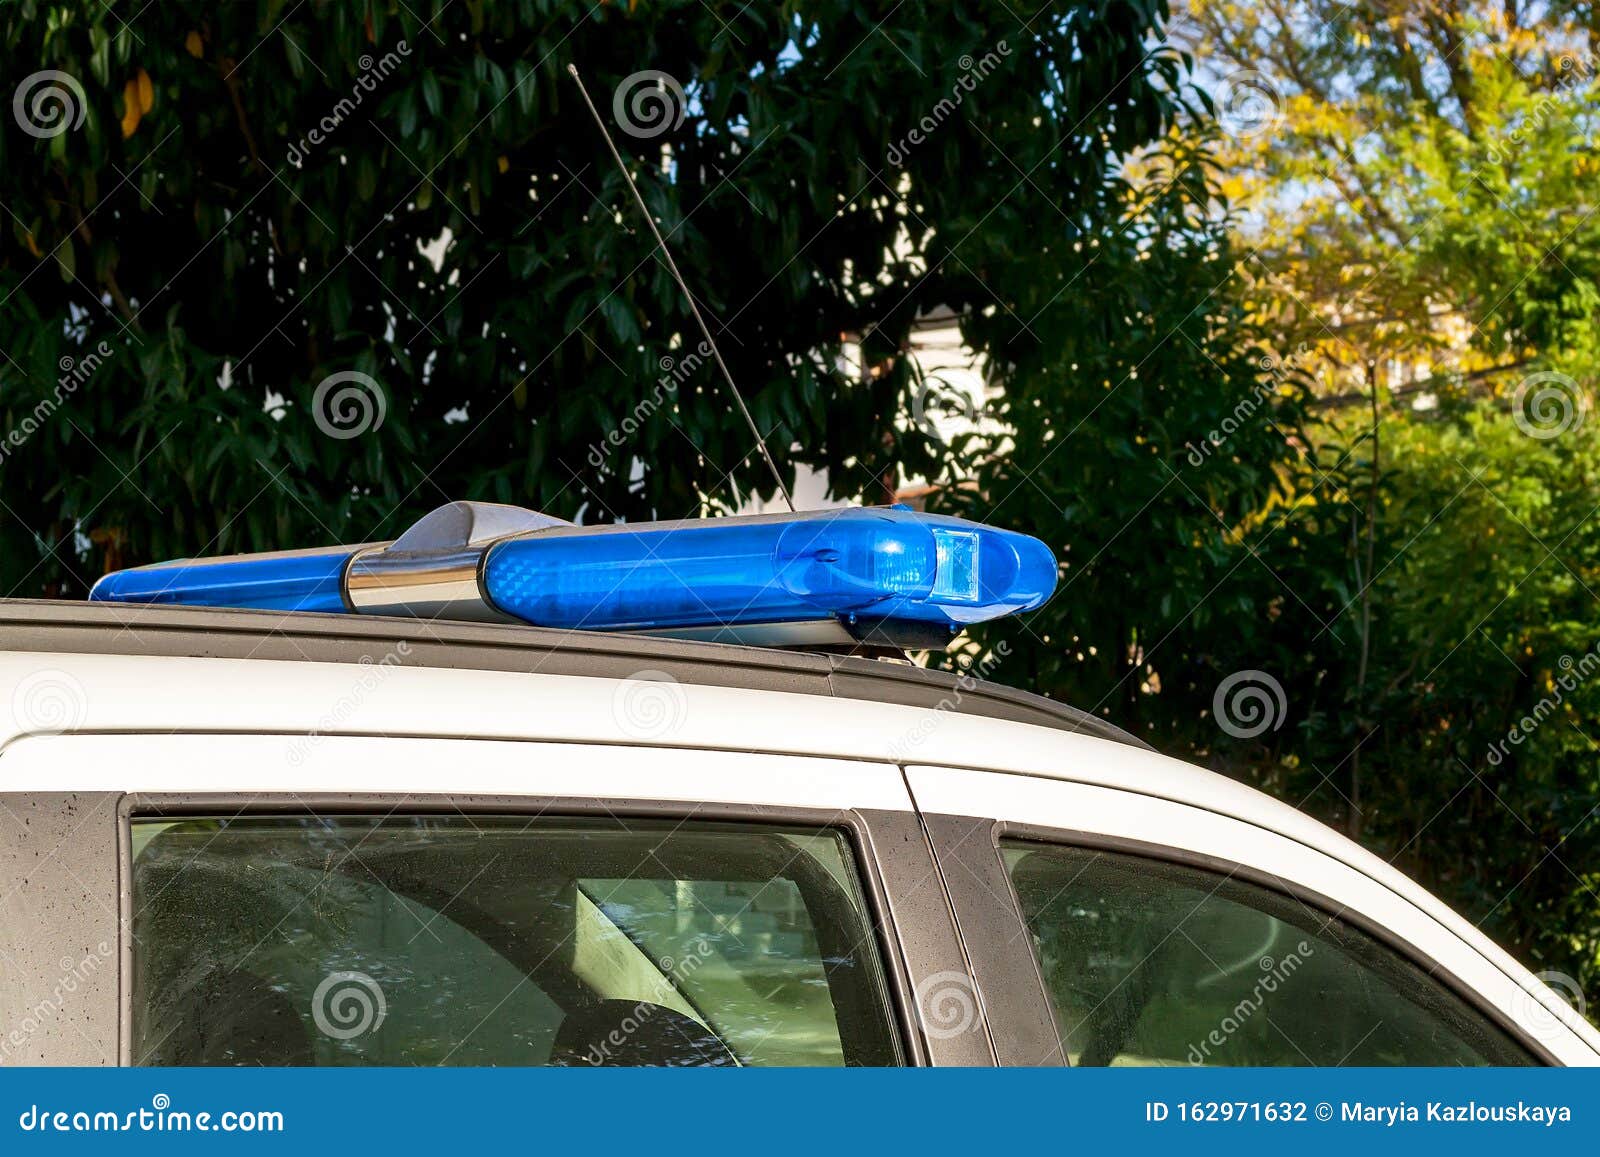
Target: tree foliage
x: 261, y: 195
x: 1418, y: 181
x: 1150, y: 426
x: 1411, y: 190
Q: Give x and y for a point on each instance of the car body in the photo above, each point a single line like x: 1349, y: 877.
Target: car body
x: 254, y: 837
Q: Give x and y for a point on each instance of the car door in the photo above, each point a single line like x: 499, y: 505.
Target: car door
x: 344, y: 899
x: 1107, y: 926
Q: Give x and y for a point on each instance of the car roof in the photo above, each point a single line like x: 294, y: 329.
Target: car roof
x: 496, y: 682
x: 206, y: 632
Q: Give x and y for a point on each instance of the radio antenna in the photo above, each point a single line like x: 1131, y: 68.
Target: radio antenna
x: 644, y: 211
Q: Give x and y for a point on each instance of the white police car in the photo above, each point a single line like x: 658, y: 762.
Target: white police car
x: 240, y: 833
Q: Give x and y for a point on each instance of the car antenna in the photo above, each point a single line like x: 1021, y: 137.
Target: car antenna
x: 644, y: 211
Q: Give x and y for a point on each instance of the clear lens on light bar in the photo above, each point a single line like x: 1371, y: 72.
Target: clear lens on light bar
x: 291, y: 580
x: 879, y: 564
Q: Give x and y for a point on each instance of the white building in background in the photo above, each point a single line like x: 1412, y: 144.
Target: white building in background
x: 955, y: 400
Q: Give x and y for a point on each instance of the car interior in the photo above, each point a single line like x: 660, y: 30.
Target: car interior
x: 448, y: 939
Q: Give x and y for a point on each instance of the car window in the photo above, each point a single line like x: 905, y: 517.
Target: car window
x: 1151, y: 963
x: 426, y: 940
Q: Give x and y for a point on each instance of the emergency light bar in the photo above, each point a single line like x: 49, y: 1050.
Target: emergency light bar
x: 884, y: 575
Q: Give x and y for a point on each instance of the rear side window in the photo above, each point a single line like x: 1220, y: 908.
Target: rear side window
x: 492, y: 940
x: 1150, y: 963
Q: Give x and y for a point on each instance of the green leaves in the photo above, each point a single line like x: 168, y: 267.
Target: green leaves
x: 300, y: 196
x: 1418, y: 213
x: 432, y: 94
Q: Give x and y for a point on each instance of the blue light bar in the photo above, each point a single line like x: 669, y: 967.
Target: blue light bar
x: 887, y: 575
x: 879, y: 564
x: 290, y: 580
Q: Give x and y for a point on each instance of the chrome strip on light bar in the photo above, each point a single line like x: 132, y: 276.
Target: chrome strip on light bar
x: 431, y: 571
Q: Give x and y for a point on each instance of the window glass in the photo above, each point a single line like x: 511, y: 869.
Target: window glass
x: 1149, y: 963
x: 486, y: 940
